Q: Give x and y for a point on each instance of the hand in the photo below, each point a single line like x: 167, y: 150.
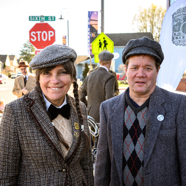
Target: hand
x: 24, y: 91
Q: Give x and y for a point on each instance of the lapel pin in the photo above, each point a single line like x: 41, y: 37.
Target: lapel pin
x: 82, y: 127
x: 160, y: 117
x: 76, y: 134
x: 76, y: 125
x: 52, y: 123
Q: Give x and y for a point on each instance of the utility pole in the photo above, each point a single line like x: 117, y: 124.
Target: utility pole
x: 102, y: 16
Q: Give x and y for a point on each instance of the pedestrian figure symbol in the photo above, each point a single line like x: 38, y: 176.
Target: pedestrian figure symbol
x: 105, y: 43
x: 100, y: 45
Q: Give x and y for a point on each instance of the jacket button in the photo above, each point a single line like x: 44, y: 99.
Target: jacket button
x: 64, y: 170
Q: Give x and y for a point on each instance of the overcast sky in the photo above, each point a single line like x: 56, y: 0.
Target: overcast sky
x: 15, y: 24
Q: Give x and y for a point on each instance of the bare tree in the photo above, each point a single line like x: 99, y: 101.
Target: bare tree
x: 149, y: 20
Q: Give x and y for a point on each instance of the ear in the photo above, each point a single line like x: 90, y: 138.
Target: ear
x: 125, y: 68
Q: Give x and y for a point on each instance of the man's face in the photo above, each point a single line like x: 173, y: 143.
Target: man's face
x: 141, y: 75
x: 23, y: 70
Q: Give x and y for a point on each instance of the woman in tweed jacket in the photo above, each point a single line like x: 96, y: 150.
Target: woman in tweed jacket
x: 34, y: 148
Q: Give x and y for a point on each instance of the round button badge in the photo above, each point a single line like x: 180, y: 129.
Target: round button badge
x: 160, y: 117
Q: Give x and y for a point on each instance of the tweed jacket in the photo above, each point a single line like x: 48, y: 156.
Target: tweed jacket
x: 19, y: 85
x: 30, y: 153
x: 98, y: 86
x: 116, y: 91
x: 165, y: 141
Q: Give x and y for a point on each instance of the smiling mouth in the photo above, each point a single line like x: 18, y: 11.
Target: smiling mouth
x: 57, y: 88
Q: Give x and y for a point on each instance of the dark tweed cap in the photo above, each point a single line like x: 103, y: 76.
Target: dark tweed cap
x: 53, y: 55
x: 143, y: 45
x: 105, y: 55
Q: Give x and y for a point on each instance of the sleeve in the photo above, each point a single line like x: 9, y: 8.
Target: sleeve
x: 16, y: 89
x: 9, y: 149
x: 103, y: 164
x: 181, y: 139
x: 110, y: 87
x: 86, y: 161
x: 83, y: 92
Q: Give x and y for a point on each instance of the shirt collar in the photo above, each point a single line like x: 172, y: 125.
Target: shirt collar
x: 47, y: 103
x: 104, y: 67
x: 26, y: 76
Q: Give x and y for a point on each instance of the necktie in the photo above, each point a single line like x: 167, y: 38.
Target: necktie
x: 25, y: 81
x: 64, y: 111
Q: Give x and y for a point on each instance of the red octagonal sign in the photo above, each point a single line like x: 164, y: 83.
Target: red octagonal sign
x: 41, y: 35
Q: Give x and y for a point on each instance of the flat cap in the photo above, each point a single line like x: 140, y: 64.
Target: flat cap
x: 105, y: 55
x: 143, y: 45
x: 53, y: 55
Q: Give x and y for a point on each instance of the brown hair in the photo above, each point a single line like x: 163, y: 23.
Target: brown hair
x: 157, y: 64
x: 70, y: 69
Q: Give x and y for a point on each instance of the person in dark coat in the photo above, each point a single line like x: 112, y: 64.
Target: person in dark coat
x: 44, y: 135
x: 98, y: 86
x: 142, y: 131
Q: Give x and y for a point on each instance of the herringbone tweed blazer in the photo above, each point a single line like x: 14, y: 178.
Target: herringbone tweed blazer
x: 98, y: 86
x: 164, y: 147
x: 19, y: 85
x: 30, y: 153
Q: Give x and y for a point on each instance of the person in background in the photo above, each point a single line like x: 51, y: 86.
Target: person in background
x: 116, y: 91
x: 24, y: 83
x: 98, y: 86
x: 44, y: 135
x: 142, y: 131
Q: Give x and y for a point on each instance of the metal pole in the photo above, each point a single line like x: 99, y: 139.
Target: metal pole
x: 168, y: 4
x: 102, y: 16
x: 68, y: 30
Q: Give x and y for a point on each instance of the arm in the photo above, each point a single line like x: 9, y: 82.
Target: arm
x: 110, y: 88
x: 83, y: 92
x: 17, y: 91
x: 9, y: 149
x: 86, y: 161
x: 103, y: 164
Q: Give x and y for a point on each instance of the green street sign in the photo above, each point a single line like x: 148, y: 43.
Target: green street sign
x: 102, y: 42
x: 42, y: 18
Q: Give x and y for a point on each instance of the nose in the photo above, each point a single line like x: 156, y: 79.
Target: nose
x: 140, y: 72
x: 54, y: 79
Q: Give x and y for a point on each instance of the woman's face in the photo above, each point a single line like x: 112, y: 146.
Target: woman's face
x: 55, y: 84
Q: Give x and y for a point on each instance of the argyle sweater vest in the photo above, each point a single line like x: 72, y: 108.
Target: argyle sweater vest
x: 134, y: 138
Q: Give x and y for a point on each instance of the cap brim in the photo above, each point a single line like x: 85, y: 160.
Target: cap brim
x: 145, y: 51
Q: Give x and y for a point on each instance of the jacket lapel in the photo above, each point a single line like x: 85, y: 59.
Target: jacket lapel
x: 153, y: 123
x: 76, y: 128
x: 42, y: 120
x: 22, y: 81
x: 117, y: 121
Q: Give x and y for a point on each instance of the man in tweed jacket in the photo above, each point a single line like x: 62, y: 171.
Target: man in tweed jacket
x: 23, y: 86
x: 98, y: 86
x: 143, y: 130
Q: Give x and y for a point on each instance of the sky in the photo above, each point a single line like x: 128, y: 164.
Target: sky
x: 15, y: 24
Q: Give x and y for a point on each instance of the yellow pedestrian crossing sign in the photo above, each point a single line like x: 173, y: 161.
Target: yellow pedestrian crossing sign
x: 102, y: 42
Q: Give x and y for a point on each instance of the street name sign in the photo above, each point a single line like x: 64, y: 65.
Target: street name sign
x: 41, y: 35
x: 102, y: 42
x: 42, y: 18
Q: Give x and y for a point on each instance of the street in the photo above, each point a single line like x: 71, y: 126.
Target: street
x: 6, y: 94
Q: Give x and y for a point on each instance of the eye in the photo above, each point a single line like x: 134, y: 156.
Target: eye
x: 45, y: 73
x: 63, y: 72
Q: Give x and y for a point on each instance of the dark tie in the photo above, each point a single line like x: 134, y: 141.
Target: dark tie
x: 64, y: 111
x: 25, y: 81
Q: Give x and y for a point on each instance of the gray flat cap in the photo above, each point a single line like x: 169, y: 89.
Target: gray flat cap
x: 143, y: 45
x: 53, y: 55
x: 105, y: 55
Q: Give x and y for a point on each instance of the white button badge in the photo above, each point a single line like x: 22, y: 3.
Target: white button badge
x: 160, y: 117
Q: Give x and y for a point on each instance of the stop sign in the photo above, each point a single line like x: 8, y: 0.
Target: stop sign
x: 41, y: 35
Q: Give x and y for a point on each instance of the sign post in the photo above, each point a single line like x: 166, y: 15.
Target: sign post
x: 41, y: 35
x: 102, y: 42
